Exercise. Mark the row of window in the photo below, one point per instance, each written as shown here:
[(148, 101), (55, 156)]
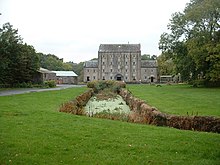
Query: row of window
[(126, 78), (119, 56), (111, 70), (111, 78), (119, 70), (111, 63)]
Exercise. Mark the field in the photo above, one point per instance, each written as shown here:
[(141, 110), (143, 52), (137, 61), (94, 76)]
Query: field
[(180, 99), (32, 131)]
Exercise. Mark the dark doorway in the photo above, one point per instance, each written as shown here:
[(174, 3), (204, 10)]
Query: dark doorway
[(119, 77), (151, 79), (88, 78)]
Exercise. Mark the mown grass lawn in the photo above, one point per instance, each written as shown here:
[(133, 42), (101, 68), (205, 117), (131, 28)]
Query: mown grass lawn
[(32, 131), (180, 99)]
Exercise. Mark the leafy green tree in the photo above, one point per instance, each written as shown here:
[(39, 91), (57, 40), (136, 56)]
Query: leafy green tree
[(165, 66), (145, 57), (78, 69), (153, 57), (52, 62), (18, 61), (27, 64), (9, 48), (193, 41)]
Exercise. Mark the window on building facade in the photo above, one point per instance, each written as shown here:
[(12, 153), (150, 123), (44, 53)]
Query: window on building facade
[(103, 70), (126, 70), (145, 70), (103, 63), (103, 78), (126, 63), (93, 77), (94, 70), (133, 63), (126, 78), (111, 77), (111, 70), (152, 70), (88, 70)]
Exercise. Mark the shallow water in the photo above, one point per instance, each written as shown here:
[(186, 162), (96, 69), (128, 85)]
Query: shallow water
[(116, 105)]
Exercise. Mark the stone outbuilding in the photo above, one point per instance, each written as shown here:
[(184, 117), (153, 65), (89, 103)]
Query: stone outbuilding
[(66, 77), (43, 75)]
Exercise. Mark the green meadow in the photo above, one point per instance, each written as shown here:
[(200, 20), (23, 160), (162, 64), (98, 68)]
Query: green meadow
[(33, 131), (180, 99)]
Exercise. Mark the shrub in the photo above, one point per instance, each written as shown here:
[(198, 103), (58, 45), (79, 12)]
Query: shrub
[(198, 83), (5, 86), (49, 84), (115, 86), (71, 107), (91, 84), (23, 85)]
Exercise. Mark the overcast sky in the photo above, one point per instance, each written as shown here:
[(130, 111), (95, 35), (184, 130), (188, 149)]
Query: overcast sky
[(74, 29)]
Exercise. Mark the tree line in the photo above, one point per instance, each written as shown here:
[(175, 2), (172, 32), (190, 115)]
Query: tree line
[(191, 48), (192, 45), (20, 61)]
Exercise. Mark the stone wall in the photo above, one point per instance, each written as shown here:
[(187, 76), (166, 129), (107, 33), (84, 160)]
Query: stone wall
[(143, 113)]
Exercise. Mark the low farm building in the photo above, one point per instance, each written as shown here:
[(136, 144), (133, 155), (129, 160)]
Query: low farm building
[(43, 75), (66, 77)]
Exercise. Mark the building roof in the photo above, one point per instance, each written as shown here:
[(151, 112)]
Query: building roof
[(91, 64), (119, 48), (149, 63), (65, 74), (43, 70)]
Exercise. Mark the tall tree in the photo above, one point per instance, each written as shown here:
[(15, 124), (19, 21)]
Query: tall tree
[(9, 47), (18, 61), (52, 62), (78, 69), (193, 41), (165, 66)]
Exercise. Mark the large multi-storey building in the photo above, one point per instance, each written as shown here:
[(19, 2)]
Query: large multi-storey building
[(120, 62)]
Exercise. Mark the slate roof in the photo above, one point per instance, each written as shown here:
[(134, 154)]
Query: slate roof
[(91, 64), (65, 74), (149, 63), (119, 48)]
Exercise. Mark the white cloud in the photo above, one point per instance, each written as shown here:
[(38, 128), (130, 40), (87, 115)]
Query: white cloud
[(73, 29)]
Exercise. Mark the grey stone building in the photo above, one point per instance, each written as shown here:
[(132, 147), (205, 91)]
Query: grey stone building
[(120, 62), (43, 75), (66, 77)]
